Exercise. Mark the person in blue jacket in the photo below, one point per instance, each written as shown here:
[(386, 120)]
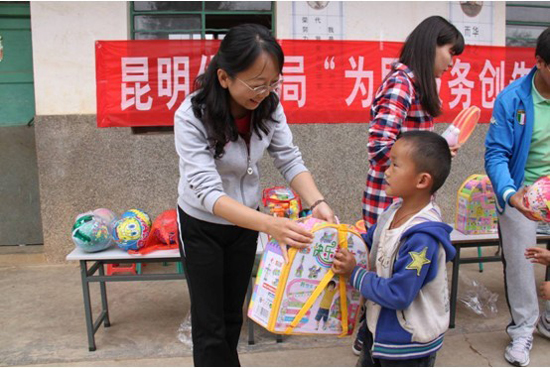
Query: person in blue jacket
[(517, 153), (407, 299)]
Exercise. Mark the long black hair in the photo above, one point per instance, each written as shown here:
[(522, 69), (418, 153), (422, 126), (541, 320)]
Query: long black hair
[(418, 53), (239, 49)]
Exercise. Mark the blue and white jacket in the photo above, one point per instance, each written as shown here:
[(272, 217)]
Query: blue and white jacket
[(509, 138), (407, 294)]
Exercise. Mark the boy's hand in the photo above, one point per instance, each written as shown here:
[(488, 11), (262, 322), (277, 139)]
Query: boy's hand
[(538, 255), (545, 290), (344, 263)]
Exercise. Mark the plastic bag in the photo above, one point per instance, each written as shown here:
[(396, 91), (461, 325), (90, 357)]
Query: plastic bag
[(477, 297), (184, 331)]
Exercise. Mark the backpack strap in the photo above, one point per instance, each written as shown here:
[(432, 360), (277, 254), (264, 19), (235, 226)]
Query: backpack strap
[(342, 243)]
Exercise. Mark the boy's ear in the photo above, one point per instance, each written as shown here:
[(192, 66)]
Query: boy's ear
[(223, 78), (540, 62), (424, 181)]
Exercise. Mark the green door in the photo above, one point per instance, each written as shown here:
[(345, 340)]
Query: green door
[(20, 217), (16, 78)]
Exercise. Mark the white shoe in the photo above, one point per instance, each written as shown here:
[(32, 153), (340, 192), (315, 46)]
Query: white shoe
[(543, 327), (517, 352)]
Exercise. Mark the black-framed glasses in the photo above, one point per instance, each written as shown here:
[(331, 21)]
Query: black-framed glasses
[(260, 90)]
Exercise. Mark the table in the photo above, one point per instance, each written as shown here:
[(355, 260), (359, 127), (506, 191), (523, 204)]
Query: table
[(460, 241), (115, 255)]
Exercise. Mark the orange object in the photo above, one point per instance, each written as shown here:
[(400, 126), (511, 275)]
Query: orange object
[(163, 234), (117, 268), (360, 225), (466, 121), (282, 202)]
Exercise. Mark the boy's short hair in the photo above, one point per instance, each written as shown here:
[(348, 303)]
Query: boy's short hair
[(543, 46), (331, 282), (431, 154)]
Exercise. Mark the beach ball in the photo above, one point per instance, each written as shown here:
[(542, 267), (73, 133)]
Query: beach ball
[(91, 233), (537, 198), (130, 232)]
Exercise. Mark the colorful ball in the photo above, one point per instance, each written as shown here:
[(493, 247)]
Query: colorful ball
[(130, 232), (91, 233), (139, 214), (107, 215), (537, 198)]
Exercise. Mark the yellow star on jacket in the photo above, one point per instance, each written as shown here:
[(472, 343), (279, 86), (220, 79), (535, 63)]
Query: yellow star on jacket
[(418, 260)]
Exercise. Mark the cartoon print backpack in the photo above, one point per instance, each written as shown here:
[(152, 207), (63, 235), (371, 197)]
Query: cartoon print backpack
[(475, 206), (304, 296)]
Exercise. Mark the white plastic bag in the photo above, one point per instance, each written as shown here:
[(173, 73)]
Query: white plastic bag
[(477, 297), (184, 331)]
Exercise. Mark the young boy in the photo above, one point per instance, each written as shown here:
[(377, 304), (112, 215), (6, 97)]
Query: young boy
[(406, 287), (517, 152)]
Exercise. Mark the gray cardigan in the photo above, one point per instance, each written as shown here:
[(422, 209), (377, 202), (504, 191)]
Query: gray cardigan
[(203, 179)]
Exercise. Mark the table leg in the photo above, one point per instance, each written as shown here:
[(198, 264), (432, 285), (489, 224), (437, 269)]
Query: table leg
[(87, 306), (480, 254), (103, 289), (454, 286)]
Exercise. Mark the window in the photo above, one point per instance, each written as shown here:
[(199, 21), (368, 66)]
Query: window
[(525, 21), (150, 20), (196, 19)]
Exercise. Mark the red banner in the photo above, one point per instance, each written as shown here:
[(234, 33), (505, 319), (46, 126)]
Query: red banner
[(142, 83)]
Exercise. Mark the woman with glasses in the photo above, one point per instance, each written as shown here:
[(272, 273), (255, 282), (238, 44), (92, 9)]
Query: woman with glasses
[(221, 133)]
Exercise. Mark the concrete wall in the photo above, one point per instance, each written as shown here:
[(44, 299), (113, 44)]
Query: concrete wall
[(82, 168)]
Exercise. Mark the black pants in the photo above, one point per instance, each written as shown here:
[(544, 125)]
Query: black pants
[(366, 360), (217, 260)]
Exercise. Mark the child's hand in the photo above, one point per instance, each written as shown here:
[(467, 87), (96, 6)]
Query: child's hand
[(545, 290), (344, 263), (538, 255)]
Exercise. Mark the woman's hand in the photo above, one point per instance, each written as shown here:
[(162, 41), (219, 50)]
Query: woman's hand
[(344, 263), (289, 233), (324, 212), (538, 255), (454, 149), (545, 290), (517, 202)]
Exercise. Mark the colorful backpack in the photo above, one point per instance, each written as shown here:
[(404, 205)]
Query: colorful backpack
[(475, 206), (304, 296)]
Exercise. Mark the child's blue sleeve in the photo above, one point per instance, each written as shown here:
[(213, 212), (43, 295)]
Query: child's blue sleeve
[(415, 265), (368, 236)]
